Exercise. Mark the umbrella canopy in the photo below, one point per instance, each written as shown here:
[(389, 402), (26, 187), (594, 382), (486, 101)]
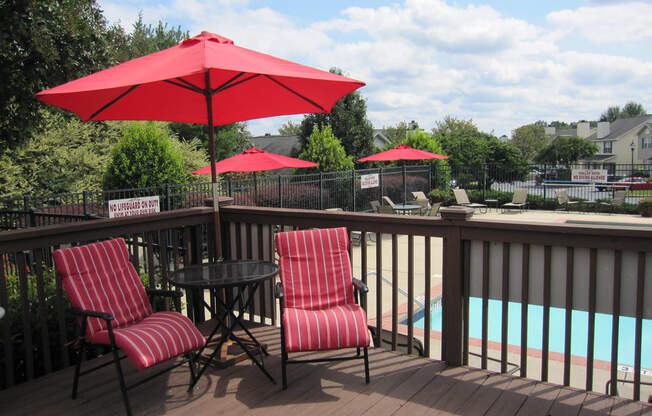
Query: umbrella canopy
[(206, 79), (254, 160), (402, 152)]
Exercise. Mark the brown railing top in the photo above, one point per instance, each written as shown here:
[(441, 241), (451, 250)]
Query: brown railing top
[(97, 229)]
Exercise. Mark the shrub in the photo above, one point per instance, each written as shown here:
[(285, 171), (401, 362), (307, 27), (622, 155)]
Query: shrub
[(645, 207), (144, 157)]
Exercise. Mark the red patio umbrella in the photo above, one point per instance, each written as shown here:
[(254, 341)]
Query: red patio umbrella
[(255, 160), (402, 152), (205, 79)]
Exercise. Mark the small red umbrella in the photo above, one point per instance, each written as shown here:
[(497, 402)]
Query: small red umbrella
[(255, 160), (205, 79), (402, 152)]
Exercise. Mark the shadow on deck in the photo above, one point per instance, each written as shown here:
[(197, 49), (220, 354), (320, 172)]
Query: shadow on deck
[(400, 385)]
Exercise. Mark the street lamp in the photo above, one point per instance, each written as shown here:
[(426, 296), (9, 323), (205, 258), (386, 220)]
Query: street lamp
[(631, 147)]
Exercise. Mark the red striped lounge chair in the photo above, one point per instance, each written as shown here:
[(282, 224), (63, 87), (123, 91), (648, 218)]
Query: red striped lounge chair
[(114, 310), (319, 297)]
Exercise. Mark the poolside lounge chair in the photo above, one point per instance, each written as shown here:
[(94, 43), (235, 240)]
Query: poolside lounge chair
[(564, 201), (374, 206), (463, 199), (388, 201), (421, 199), (617, 201), (434, 209), (519, 200), (114, 310), (385, 209), (319, 297)]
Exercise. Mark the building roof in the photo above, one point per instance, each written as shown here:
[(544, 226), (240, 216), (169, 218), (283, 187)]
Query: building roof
[(280, 145), (601, 157), (623, 125)]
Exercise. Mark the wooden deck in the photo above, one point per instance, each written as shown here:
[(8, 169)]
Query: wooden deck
[(400, 385)]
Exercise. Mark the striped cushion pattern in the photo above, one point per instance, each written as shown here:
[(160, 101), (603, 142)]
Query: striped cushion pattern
[(315, 268), (157, 338), (341, 326), (99, 277)]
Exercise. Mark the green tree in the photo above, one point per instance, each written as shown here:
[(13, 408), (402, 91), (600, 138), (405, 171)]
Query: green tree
[(529, 139), (229, 139), (469, 149), (43, 44), (144, 157), (348, 120), (327, 150), (63, 155), (566, 150), (633, 109), (396, 134), (611, 114), (290, 129)]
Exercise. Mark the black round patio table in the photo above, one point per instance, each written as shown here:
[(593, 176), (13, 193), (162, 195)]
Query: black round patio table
[(244, 276)]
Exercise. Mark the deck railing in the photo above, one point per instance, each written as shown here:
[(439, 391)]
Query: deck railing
[(597, 270)]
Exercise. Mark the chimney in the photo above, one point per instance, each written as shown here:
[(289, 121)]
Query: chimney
[(583, 129), (603, 129)]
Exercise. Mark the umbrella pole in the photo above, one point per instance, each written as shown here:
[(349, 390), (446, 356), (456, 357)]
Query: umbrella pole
[(404, 185), (211, 148)]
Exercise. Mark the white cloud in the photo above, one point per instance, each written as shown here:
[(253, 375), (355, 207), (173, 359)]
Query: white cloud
[(612, 23), (422, 60)]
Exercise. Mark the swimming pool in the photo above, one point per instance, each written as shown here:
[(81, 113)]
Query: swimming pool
[(579, 336)]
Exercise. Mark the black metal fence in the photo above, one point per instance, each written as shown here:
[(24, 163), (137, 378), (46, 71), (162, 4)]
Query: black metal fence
[(343, 190)]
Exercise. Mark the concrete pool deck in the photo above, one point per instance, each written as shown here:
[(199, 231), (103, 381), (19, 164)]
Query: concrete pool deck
[(578, 371)]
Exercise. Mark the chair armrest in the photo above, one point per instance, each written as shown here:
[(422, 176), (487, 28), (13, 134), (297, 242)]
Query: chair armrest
[(162, 292), (359, 285), (84, 313), (278, 290)]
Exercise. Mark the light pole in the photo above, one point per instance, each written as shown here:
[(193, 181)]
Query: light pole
[(631, 147)]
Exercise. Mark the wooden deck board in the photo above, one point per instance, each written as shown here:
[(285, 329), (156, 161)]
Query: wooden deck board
[(400, 385)]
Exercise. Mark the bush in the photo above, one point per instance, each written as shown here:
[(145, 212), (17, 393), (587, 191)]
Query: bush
[(645, 207), (144, 157), (444, 196)]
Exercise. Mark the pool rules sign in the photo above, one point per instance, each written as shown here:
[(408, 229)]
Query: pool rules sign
[(134, 206)]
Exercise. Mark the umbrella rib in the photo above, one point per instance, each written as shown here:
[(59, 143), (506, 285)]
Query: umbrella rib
[(110, 103), (308, 100), (223, 86), (185, 84), (226, 87)]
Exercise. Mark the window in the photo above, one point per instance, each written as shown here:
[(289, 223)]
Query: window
[(647, 142), (608, 147)]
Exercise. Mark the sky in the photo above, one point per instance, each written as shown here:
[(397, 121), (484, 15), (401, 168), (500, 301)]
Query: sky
[(502, 63)]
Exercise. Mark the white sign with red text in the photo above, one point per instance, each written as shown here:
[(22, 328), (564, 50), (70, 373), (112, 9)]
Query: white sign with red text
[(134, 206), (369, 181), (589, 175)]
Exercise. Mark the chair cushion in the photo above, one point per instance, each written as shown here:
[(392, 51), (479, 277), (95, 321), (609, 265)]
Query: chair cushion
[(315, 268), (157, 338), (341, 326), (99, 277)]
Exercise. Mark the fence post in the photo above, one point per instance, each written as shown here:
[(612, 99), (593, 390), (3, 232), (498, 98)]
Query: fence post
[(27, 208), (85, 200), (168, 197), (353, 187), (380, 186), (545, 176), (430, 178), (321, 188), (484, 181), (452, 285), (230, 183), (280, 191)]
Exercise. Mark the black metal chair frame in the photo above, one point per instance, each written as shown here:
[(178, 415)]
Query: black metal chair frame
[(360, 292), (190, 358)]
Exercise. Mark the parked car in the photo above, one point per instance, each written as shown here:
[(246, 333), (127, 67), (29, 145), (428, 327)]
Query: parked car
[(629, 183)]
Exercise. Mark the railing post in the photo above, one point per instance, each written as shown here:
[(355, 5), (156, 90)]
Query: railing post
[(85, 199), (321, 189), (452, 285), (353, 187), (28, 213)]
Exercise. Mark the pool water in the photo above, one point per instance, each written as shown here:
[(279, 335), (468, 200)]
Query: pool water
[(579, 331)]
